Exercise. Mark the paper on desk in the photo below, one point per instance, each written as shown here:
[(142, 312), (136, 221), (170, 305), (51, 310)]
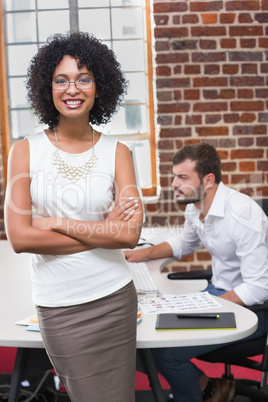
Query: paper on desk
[(33, 327), (159, 304), (31, 323), (29, 320)]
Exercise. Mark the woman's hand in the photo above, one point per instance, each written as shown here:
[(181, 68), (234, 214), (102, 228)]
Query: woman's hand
[(121, 212), (124, 210)]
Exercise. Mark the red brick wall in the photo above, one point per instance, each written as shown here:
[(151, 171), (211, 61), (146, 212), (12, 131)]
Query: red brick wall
[(211, 80)]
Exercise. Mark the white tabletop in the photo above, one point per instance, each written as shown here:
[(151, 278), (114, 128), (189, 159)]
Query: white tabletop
[(148, 337), (16, 304), (16, 299)]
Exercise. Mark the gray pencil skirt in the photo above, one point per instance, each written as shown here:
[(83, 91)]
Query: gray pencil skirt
[(92, 346)]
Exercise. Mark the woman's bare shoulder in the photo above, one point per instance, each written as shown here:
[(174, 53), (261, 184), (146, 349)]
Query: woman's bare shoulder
[(19, 153), (122, 149), (20, 145)]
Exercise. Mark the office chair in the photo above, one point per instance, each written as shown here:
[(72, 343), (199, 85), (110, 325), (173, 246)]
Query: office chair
[(263, 203), (239, 353), (207, 273)]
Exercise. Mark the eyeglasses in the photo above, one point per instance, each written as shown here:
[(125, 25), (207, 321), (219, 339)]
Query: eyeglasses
[(60, 84)]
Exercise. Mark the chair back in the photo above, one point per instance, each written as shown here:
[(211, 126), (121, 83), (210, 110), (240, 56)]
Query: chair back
[(263, 203)]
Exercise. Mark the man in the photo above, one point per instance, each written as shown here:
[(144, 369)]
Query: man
[(233, 228)]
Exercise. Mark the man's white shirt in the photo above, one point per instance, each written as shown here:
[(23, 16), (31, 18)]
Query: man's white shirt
[(235, 233)]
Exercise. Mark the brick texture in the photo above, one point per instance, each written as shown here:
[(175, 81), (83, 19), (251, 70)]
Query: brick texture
[(218, 95)]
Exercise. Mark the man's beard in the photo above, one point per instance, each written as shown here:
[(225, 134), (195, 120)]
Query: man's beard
[(198, 196)]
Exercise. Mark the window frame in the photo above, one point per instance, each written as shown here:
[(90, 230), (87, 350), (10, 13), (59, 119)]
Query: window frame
[(5, 113)]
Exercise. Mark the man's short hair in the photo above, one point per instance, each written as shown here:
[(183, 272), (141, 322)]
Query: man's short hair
[(206, 157)]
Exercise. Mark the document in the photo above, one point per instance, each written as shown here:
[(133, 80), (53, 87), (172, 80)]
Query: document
[(165, 303), (31, 323)]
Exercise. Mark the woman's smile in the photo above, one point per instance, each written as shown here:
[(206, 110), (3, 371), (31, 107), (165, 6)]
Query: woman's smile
[(73, 103), (73, 98)]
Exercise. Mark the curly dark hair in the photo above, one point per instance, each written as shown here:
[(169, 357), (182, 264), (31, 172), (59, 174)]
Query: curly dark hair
[(88, 51)]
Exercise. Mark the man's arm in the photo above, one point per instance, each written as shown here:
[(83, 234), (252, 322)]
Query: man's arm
[(183, 243), (252, 251), (162, 250), (232, 296)]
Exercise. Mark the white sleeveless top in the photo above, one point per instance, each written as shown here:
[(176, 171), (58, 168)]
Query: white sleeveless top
[(64, 280)]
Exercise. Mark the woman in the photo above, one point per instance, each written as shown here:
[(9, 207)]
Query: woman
[(61, 186)]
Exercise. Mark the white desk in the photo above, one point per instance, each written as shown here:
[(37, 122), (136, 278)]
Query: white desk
[(147, 337), (16, 304)]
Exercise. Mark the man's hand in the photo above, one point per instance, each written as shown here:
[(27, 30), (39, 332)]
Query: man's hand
[(162, 250), (136, 255)]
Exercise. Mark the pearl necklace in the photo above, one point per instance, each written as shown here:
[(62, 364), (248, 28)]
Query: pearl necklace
[(74, 173)]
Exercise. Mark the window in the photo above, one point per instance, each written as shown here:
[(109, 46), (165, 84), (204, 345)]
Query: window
[(124, 25)]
